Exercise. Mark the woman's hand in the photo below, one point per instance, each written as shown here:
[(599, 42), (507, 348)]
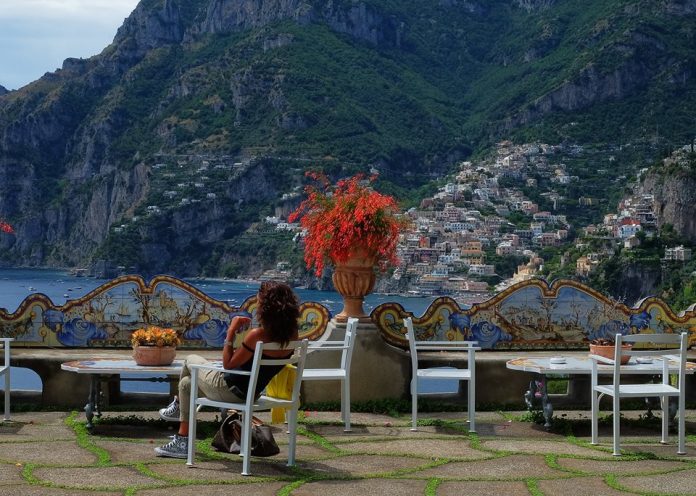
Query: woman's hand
[(239, 323)]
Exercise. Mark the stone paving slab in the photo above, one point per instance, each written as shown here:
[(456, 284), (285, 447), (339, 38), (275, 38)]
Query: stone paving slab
[(508, 428), (683, 482), (479, 488), (662, 450), (646, 444), (370, 432), (597, 467), (95, 477), (50, 453), (356, 419), (559, 447), (216, 471), (127, 451), (360, 466), (10, 474), (257, 489), (586, 486), (303, 452), (383, 487), (429, 448), (508, 467), (44, 418), (26, 490), (32, 431)]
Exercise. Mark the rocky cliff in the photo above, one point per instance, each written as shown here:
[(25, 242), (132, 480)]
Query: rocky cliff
[(201, 114), (675, 200)]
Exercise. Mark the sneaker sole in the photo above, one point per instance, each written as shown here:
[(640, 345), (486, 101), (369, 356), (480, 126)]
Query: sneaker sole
[(169, 454), (168, 418)]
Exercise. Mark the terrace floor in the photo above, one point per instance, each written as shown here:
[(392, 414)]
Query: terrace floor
[(50, 453)]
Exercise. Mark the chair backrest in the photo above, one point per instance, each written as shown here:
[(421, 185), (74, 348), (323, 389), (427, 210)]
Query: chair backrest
[(349, 343), (346, 346), (665, 346), (5, 344), (297, 359), (411, 336)]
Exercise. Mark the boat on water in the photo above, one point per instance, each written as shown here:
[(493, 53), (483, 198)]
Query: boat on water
[(413, 293)]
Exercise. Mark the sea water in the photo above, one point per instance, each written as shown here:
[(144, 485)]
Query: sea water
[(61, 286)]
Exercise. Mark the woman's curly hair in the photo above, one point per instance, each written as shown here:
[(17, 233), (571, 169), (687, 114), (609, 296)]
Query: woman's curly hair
[(278, 310)]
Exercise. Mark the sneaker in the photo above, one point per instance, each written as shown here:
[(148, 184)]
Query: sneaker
[(176, 448), (171, 411)]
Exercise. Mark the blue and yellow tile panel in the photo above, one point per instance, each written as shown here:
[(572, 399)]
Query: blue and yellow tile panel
[(107, 316), (535, 315)]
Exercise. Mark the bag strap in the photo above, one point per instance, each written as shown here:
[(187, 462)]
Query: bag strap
[(237, 415)]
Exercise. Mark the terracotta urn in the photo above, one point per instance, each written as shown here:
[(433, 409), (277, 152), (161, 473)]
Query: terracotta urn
[(354, 279), (608, 351), (154, 355)]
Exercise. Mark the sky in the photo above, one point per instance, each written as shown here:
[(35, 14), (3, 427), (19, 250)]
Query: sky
[(37, 35)]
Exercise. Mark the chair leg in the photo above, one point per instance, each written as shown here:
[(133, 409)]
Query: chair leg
[(7, 394), (472, 406), (414, 403), (191, 437), (193, 421), (681, 449), (664, 403), (246, 443), (595, 415), (292, 435), (345, 404), (617, 426)]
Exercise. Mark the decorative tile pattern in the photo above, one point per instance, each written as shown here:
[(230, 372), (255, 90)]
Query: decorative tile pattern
[(534, 315), (106, 317)]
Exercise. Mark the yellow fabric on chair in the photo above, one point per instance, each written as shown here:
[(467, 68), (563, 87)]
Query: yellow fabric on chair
[(281, 387)]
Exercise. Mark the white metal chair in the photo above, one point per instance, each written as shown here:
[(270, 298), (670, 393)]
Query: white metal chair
[(252, 404), (5, 371), (342, 373), (667, 346), (467, 374)]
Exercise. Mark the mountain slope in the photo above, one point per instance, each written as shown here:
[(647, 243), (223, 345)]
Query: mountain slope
[(263, 89)]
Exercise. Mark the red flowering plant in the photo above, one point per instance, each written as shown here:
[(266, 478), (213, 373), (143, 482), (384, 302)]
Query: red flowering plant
[(347, 216), (5, 227)]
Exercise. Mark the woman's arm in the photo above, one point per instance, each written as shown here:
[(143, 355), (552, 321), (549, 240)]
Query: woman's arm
[(234, 358), (238, 323)]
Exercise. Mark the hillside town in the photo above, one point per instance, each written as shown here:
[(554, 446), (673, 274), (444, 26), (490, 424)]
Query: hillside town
[(480, 219), (482, 214)]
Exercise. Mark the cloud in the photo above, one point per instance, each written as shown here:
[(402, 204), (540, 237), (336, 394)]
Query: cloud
[(92, 10), (37, 35)]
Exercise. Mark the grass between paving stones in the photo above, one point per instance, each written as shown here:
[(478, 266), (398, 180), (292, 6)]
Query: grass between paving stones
[(85, 441), (318, 439), (431, 487), (286, 490)]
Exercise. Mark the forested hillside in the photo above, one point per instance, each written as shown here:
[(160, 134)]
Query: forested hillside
[(163, 150)]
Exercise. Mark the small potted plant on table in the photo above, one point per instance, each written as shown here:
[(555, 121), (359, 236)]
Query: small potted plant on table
[(154, 346), (606, 348)]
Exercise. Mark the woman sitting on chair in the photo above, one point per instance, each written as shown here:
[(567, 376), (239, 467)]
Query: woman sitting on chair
[(277, 312)]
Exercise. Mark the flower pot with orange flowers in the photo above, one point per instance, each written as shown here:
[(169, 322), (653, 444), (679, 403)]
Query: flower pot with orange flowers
[(154, 346), (353, 228)]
